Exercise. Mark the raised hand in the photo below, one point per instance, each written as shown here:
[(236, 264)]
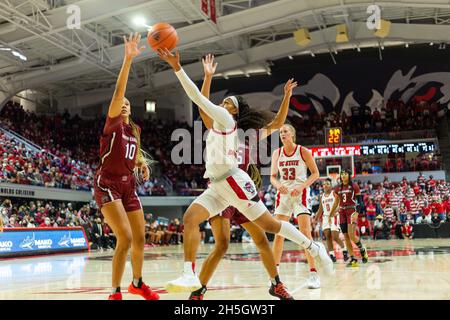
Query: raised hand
[(172, 60), (289, 86), (208, 65), (131, 45)]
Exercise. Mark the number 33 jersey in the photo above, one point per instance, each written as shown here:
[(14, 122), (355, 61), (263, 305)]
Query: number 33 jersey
[(292, 168), (293, 172), (118, 148)]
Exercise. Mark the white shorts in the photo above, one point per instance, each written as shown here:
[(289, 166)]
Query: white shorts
[(287, 205), (334, 223), (237, 190)]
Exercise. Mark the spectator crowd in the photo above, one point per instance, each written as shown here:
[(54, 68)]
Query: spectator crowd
[(67, 139), (55, 214), (390, 208)]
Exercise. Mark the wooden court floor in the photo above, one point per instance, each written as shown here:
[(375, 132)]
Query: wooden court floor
[(398, 269)]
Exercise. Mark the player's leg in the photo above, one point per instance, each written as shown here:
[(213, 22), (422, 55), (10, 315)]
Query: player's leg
[(115, 214), (304, 225), (352, 227), (137, 223), (278, 241), (259, 237), (345, 230), (329, 241), (335, 237), (242, 194), (209, 204), (220, 228)]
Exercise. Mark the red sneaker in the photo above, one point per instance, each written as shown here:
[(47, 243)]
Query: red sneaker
[(280, 292), (143, 291), (115, 296)]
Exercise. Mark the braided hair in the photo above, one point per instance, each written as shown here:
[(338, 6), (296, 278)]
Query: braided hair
[(248, 118)]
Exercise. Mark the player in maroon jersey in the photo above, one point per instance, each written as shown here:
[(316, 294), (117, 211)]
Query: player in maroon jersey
[(349, 201), (115, 185), (220, 225)]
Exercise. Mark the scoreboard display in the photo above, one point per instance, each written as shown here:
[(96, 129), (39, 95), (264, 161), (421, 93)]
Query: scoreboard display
[(333, 136), (420, 147)]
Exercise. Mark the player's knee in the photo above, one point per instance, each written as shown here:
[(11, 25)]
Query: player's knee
[(124, 241), (261, 241), (221, 247), (138, 240)]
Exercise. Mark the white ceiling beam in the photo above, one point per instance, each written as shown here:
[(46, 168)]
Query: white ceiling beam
[(91, 11)]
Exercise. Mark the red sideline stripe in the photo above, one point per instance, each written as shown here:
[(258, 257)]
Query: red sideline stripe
[(277, 202), (239, 192), (304, 197)]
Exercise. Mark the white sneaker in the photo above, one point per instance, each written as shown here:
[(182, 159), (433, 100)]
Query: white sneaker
[(313, 281), (188, 282), (320, 254)]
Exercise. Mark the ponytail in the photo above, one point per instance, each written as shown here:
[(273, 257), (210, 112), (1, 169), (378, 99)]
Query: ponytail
[(142, 157)]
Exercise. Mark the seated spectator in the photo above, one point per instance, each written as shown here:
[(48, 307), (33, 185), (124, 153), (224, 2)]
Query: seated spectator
[(407, 231), (381, 226), (46, 223), (364, 227)]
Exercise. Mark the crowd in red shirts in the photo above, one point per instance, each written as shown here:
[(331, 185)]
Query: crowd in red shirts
[(397, 206)]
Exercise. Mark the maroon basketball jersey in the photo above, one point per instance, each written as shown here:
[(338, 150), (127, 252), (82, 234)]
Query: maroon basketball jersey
[(118, 148), (347, 194)]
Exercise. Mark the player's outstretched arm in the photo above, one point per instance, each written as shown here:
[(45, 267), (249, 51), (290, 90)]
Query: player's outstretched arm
[(210, 68), (280, 118), (220, 116), (131, 51)]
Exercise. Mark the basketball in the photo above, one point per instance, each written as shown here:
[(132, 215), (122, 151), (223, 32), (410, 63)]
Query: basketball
[(162, 35)]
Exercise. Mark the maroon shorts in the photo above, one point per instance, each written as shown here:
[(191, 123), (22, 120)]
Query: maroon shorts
[(345, 215), (232, 214), (108, 188)]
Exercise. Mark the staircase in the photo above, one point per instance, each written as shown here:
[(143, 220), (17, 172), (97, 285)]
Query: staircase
[(17, 137), (444, 143)]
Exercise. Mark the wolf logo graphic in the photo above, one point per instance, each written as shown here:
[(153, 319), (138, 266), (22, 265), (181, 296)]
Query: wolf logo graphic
[(249, 187)]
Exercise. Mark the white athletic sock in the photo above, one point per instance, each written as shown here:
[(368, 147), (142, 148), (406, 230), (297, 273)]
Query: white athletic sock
[(188, 268), (331, 252), (290, 232)]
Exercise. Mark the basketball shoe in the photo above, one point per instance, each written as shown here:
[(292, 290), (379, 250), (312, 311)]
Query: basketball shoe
[(188, 282), (144, 291), (313, 281), (364, 255), (320, 254), (279, 290), (115, 296)]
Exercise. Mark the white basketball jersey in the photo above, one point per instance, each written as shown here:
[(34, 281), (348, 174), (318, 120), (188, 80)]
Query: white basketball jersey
[(221, 153), (327, 203), (292, 168)]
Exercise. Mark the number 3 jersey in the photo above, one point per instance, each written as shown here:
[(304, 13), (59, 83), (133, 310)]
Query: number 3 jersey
[(118, 148)]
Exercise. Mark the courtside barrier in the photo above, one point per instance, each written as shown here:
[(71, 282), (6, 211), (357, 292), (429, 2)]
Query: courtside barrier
[(15, 242)]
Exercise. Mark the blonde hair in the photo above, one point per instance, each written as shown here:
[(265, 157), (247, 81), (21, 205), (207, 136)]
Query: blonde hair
[(293, 131), (255, 175)]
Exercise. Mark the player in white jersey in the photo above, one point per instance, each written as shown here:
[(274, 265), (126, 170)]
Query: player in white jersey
[(230, 186), (291, 162), (221, 224), (330, 226)]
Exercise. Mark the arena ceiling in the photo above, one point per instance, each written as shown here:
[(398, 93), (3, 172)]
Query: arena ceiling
[(247, 36)]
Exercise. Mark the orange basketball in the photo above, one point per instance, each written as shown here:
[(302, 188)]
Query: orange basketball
[(162, 35)]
